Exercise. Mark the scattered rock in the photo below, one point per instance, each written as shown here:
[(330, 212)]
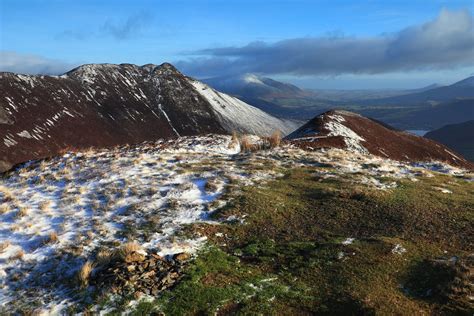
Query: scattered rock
[(139, 274), (181, 257), (134, 257)]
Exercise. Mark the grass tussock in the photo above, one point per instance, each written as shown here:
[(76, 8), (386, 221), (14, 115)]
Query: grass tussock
[(275, 139), (103, 257), (45, 205), (128, 249), (265, 143), (19, 255), (234, 140), (84, 273), (4, 245), (4, 209), (52, 238), (7, 194), (22, 212), (246, 144)]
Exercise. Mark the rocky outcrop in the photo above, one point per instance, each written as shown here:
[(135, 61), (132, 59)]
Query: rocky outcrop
[(139, 274)]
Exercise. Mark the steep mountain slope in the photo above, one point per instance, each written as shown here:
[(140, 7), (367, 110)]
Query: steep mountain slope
[(235, 115), (460, 137), (345, 129), (103, 105)]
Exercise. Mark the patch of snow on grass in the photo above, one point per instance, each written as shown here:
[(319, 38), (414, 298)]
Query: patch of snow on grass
[(59, 212), (348, 241), (443, 190), (398, 249)]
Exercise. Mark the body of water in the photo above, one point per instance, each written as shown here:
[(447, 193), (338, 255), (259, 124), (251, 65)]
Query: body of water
[(418, 132)]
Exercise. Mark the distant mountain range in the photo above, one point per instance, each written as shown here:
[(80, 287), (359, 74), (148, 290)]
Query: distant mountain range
[(463, 89), (365, 94), (104, 105), (425, 108), (460, 137)]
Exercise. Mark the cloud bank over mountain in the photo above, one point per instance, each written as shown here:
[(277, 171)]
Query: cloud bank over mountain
[(445, 42), (32, 64)]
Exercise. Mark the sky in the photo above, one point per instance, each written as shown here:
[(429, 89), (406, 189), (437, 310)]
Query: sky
[(315, 44)]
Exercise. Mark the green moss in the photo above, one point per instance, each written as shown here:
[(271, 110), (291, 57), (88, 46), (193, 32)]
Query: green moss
[(288, 257), (214, 278)]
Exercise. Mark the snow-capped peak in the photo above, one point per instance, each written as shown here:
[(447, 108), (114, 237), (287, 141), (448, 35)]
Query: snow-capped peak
[(251, 78)]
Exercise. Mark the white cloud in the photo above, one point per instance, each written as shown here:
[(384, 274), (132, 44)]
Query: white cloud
[(443, 43), (32, 64)]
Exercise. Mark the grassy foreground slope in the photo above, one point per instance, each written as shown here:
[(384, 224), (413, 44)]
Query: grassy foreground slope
[(313, 245)]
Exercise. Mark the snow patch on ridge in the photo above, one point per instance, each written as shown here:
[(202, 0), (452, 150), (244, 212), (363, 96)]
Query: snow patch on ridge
[(239, 116), (168, 119), (251, 78), (352, 139)]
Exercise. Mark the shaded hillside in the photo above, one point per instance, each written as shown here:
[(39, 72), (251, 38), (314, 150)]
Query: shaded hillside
[(422, 117), (460, 137), (439, 115)]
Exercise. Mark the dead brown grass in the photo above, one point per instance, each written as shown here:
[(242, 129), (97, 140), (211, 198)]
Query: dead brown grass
[(7, 194), (4, 245), (235, 140), (275, 139), (84, 273), (74, 150), (127, 250), (4, 209), (45, 205), (130, 247), (245, 144), (52, 238), (23, 211), (18, 255), (103, 257)]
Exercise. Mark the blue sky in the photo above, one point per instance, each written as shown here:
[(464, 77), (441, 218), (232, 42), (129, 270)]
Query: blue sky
[(57, 34)]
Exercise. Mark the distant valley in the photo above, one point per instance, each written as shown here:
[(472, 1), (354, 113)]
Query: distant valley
[(426, 108)]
